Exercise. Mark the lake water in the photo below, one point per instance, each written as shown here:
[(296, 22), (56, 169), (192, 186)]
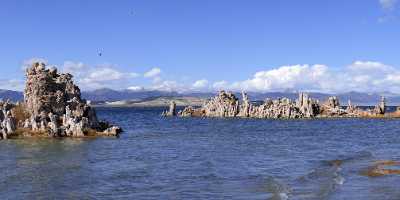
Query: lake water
[(183, 158)]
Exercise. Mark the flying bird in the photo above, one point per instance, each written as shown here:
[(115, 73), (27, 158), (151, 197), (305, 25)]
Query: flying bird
[(100, 53)]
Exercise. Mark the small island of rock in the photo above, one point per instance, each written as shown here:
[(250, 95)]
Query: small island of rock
[(226, 104), (52, 107)]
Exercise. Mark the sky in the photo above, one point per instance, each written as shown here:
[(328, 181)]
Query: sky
[(208, 45)]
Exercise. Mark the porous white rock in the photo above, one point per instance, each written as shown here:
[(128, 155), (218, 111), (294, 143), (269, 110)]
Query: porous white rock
[(55, 105), (7, 120)]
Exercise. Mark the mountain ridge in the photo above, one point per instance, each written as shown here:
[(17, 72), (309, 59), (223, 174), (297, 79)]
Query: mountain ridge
[(109, 95)]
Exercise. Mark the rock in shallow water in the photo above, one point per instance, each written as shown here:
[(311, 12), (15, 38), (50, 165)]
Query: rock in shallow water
[(7, 120), (225, 104), (54, 105), (171, 111)]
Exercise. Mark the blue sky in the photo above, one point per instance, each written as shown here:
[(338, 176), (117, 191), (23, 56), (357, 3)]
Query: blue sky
[(206, 45)]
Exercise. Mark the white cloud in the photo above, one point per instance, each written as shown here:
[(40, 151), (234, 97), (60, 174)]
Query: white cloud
[(87, 77), (363, 76), (105, 74), (388, 4), (152, 73), (136, 88), (220, 85), (93, 77), (358, 66), (287, 77), (72, 67), (372, 76), (168, 86), (200, 84), (100, 77)]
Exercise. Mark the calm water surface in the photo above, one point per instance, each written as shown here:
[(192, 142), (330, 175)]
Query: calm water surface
[(175, 158)]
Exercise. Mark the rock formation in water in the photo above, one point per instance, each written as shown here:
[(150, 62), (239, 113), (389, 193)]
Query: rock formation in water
[(7, 120), (352, 111), (331, 107), (225, 104), (171, 111), (55, 107), (380, 109), (245, 108), (307, 106)]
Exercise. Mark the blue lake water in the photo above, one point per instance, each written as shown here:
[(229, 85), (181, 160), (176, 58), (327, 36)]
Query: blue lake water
[(193, 158)]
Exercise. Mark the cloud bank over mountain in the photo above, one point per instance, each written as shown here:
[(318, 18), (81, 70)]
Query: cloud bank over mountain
[(362, 76)]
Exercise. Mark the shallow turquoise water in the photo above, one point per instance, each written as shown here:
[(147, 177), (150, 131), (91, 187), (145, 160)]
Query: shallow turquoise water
[(176, 158)]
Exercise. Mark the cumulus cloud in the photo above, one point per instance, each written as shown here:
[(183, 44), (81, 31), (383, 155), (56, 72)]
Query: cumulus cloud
[(90, 77), (73, 67), (363, 76), (302, 77), (169, 86), (372, 76), (200, 84), (152, 73), (106, 76)]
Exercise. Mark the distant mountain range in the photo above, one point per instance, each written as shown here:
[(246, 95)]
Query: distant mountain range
[(109, 95), (12, 95)]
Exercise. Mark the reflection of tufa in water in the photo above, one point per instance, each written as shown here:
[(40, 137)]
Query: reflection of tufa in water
[(226, 104)]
